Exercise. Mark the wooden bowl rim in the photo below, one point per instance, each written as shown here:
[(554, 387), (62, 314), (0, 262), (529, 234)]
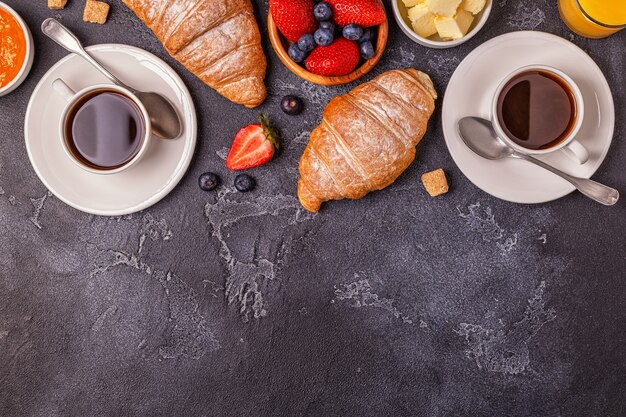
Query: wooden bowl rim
[(276, 39)]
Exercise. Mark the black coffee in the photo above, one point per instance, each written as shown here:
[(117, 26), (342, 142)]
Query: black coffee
[(537, 109), (105, 129)]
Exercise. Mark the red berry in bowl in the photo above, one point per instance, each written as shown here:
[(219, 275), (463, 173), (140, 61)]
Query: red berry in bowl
[(293, 18), (365, 13), (339, 58)]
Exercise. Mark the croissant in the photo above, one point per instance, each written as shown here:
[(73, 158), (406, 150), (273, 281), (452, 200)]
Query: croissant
[(367, 138), (217, 40)]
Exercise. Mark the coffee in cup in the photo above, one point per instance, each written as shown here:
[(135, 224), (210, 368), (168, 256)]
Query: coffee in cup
[(538, 110), (104, 128)]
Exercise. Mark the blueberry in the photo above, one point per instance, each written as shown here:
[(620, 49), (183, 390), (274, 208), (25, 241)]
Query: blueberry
[(208, 181), (352, 32), (368, 35), (367, 50), (296, 53), (292, 105), (327, 24), (322, 11), (323, 37), (244, 183), (306, 43)]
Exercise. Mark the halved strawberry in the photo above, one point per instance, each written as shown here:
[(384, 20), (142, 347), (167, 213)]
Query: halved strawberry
[(293, 18), (364, 13), (253, 146), (339, 58)]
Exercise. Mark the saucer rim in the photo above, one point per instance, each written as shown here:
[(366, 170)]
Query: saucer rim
[(190, 134), (449, 132)]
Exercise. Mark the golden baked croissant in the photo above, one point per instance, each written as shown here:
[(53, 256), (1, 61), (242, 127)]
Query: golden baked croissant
[(367, 138), (217, 40)]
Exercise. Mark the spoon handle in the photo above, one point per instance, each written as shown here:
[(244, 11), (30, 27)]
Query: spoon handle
[(64, 37), (594, 190)]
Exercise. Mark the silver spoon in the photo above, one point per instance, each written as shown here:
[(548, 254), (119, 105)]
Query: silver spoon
[(165, 120), (479, 135)]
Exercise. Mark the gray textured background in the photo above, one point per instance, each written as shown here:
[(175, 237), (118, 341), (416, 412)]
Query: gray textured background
[(244, 305)]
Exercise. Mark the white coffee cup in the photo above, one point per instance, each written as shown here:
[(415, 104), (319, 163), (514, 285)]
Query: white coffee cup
[(569, 145), (74, 98)]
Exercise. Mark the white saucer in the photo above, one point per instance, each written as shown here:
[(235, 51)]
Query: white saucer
[(471, 91), (136, 188)]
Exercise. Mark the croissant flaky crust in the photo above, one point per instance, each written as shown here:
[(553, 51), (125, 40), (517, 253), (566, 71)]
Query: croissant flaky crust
[(217, 40), (367, 138)]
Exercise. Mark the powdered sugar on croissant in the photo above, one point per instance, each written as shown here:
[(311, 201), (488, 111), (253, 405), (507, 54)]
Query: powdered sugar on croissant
[(217, 40), (367, 138)]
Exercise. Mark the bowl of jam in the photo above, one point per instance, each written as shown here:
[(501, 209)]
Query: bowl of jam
[(16, 49)]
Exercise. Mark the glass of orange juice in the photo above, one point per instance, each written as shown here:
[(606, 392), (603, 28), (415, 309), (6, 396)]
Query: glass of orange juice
[(594, 18)]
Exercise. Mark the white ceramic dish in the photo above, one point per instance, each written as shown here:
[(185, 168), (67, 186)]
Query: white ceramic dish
[(470, 93), (30, 53), (131, 190), (401, 15)]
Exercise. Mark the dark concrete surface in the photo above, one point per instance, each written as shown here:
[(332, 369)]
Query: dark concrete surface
[(244, 305)]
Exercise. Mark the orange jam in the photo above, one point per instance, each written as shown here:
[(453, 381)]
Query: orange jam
[(12, 47)]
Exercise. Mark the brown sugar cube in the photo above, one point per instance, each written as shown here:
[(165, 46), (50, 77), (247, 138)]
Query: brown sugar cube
[(435, 182), (96, 12), (56, 4)]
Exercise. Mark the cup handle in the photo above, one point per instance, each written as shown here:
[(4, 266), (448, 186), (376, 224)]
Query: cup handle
[(64, 91), (577, 152)]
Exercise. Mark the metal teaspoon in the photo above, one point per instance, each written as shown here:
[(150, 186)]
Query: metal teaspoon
[(479, 135), (165, 120)]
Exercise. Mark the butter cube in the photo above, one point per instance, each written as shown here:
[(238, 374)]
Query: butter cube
[(445, 8), (451, 28), (423, 20), (411, 3), (473, 6)]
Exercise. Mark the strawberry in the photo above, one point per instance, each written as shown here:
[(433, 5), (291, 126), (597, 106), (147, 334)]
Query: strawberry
[(364, 13), (339, 58), (293, 18), (253, 146)]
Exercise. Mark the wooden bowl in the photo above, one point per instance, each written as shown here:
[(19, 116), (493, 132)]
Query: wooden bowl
[(280, 45)]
